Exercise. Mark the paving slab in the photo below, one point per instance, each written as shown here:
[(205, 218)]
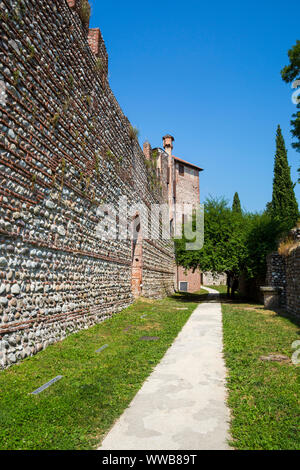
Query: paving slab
[(182, 404)]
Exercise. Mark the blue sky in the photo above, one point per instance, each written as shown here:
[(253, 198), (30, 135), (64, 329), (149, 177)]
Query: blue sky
[(208, 72)]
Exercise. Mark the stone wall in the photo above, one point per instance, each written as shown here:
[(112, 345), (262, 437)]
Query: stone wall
[(284, 271), (213, 279), (276, 274), (65, 148), (293, 282)]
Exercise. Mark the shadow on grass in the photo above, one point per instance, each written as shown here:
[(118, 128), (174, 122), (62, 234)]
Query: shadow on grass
[(292, 318), (186, 297), (238, 299), (259, 306), (281, 312)]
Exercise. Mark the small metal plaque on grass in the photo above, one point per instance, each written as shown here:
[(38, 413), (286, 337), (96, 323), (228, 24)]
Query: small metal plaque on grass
[(102, 348), (43, 387), (149, 338), (128, 328), (144, 316)]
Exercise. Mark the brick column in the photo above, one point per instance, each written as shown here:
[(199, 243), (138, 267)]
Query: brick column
[(168, 147), (98, 48), (72, 3), (147, 150)]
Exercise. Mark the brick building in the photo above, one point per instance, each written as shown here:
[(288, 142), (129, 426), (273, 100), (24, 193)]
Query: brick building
[(183, 186)]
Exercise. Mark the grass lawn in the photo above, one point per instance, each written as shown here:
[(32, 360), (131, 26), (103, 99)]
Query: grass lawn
[(263, 396), (77, 411), (221, 289)]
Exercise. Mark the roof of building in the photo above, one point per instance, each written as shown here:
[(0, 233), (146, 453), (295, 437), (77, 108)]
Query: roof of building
[(187, 163), (168, 136)]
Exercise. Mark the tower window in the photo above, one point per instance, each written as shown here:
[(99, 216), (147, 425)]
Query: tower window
[(181, 169)]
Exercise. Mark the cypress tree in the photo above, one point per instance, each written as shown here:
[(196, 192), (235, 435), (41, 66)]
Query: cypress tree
[(284, 203), (236, 205)]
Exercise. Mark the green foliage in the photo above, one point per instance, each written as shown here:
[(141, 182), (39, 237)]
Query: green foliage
[(16, 75), (88, 100), (71, 81), (54, 120), (34, 110), (236, 205), (99, 67), (263, 396), (22, 6), (110, 155), (262, 237), (33, 181), (151, 165), (221, 289), (233, 241), (290, 73), (85, 12), (77, 411), (32, 52), (97, 162), (133, 133), (268, 209), (224, 240), (284, 203), (66, 104), (4, 16)]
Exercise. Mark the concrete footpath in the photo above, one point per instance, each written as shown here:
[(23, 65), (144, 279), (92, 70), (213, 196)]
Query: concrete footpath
[(182, 404)]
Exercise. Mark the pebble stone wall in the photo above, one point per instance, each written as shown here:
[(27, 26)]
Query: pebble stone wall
[(65, 148), (284, 272)]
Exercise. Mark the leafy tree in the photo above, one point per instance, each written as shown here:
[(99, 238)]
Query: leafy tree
[(236, 205), (268, 209), (224, 241), (233, 242), (284, 203), (262, 235), (290, 73)]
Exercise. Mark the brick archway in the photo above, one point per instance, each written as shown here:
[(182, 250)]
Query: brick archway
[(136, 258)]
